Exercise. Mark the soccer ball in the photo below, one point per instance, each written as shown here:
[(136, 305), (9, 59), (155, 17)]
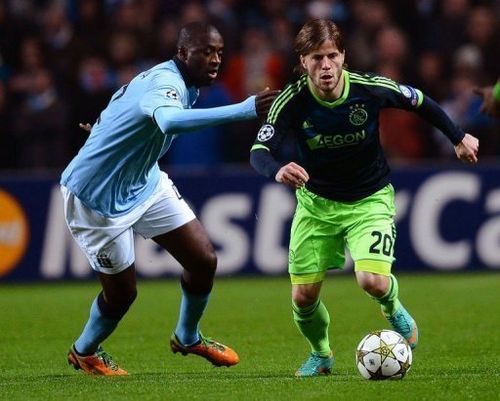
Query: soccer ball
[(383, 354)]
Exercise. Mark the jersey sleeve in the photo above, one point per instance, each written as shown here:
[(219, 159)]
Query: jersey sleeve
[(269, 138), (406, 97), (395, 95), (165, 91), (275, 129), (177, 121)]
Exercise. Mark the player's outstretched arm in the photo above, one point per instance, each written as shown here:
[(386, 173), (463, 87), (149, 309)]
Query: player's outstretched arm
[(173, 120), (466, 146), (177, 121), (467, 149), (435, 115)]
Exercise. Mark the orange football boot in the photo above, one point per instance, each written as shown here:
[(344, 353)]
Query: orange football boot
[(100, 363), (216, 353)]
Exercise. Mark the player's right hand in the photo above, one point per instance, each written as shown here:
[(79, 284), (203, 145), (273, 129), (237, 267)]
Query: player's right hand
[(264, 100), (292, 175)]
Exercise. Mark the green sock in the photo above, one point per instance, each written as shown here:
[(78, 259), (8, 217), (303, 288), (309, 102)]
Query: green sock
[(389, 301), (313, 321)]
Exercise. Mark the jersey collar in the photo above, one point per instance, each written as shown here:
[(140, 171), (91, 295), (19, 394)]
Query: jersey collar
[(336, 102), (184, 71)]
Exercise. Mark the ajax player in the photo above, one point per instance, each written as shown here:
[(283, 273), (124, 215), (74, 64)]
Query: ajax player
[(344, 195)]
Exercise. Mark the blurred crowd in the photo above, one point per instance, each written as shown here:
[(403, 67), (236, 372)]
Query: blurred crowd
[(60, 61)]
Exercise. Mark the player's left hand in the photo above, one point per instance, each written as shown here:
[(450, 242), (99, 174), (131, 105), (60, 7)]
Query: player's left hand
[(86, 127), (264, 100), (467, 149), (293, 175)]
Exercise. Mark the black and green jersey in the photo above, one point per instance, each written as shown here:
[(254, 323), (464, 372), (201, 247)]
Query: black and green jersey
[(338, 142)]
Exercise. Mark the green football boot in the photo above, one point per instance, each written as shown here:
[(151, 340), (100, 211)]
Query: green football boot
[(316, 365), (404, 324)]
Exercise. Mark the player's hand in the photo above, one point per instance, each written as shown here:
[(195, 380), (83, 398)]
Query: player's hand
[(467, 149), (264, 100), (490, 105), (86, 127), (292, 175)]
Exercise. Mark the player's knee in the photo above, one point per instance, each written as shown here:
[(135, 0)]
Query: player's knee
[(205, 264), (304, 295), (211, 262), (374, 284), (303, 299), (117, 304)]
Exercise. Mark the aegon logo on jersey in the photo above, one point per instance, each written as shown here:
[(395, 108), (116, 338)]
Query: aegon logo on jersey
[(336, 141), (266, 132), (171, 93)]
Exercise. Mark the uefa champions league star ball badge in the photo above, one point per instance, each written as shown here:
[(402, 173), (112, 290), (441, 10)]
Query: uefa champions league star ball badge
[(266, 132)]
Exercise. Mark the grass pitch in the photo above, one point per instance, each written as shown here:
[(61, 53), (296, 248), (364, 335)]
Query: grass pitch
[(457, 358)]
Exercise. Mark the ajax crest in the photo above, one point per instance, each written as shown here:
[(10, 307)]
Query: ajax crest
[(358, 115)]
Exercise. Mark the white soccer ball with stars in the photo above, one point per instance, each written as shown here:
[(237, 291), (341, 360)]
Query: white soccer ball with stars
[(383, 354)]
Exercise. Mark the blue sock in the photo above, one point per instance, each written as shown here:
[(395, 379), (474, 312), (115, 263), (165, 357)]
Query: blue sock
[(97, 329), (191, 310)]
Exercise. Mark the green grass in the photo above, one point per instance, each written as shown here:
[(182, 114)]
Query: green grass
[(457, 358)]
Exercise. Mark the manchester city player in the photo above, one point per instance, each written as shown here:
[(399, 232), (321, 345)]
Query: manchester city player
[(342, 181), (114, 187)]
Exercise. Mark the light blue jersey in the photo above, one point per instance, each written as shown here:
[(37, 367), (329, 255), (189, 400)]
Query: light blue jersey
[(117, 168)]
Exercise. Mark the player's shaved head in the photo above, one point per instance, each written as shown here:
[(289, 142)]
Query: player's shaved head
[(191, 34), (199, 49)]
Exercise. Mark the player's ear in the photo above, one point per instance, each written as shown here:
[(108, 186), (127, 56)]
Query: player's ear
[(303, 62), (182, 53)]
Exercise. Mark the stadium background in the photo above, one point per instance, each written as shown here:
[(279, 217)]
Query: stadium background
[(61, 60)]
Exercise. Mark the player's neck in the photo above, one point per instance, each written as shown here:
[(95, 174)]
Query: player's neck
[(339, 88), (181, 66)]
